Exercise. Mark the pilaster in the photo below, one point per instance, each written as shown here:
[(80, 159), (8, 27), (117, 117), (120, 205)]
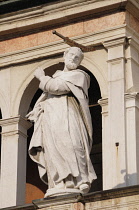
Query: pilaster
[(115, 163), (132, 136), (13, 161)]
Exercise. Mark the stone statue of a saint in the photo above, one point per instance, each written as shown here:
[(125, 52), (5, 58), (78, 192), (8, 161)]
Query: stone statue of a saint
[(62, 137)]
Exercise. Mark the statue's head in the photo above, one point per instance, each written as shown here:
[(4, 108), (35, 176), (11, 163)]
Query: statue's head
[(73, 57)]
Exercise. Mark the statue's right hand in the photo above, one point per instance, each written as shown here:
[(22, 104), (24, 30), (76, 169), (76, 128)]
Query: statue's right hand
[(39, 73)]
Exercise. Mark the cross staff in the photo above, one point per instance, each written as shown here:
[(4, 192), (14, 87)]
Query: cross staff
[(74, 44)]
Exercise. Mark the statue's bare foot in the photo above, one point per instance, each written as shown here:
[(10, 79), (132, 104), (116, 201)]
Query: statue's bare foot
[(84, 188)]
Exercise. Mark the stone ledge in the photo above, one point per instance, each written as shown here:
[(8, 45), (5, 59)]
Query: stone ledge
[(78, 201), (111, 194), (57, 200), (24, 207)]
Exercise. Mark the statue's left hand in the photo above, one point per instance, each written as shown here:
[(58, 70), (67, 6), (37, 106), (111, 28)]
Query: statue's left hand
[(39, 73)]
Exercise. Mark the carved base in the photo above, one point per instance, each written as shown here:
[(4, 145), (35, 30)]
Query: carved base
[(57, 192)]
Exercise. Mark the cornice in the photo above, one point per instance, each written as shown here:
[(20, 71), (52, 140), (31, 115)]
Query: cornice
[(55, 14), (133, 8), (133, 37), (55, 48)]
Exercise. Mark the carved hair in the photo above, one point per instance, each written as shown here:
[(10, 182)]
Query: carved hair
[(77, 48)]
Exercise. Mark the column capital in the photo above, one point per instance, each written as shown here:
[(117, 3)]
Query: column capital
[(132, 100), (103, 102), (15, 125), (15, 120), (116, 49), (134, 95), (115, 42)]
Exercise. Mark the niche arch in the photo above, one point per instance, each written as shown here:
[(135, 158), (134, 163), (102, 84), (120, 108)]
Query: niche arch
[(30, 85)]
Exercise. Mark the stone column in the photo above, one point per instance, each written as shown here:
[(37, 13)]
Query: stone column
[(105, 158), (115, 161), (13, 161)]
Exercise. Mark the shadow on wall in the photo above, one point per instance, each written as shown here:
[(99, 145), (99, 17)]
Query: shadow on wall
[(129, 179)]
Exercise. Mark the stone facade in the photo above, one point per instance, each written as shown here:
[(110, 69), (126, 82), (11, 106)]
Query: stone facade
[(26, 42), (123, 199)]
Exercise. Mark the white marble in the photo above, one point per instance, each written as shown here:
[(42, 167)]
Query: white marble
[(13, 161), (62, 137), (116, 156)]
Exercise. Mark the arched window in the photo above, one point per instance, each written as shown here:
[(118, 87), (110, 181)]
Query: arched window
[(35, 187)]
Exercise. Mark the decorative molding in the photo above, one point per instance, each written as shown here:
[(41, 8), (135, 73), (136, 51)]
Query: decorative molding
[(103, 102), (129, 96), (132, 42), (56, 13), (132, 35), (132, 100), (15, 120), (12, 133), (116, 61), (133, 8), (115, 42), (58, 47)]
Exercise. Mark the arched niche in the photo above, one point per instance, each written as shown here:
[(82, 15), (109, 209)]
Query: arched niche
[(30, 85), (34, 184)]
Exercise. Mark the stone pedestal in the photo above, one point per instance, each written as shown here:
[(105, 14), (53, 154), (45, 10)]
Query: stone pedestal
[(64, 202)]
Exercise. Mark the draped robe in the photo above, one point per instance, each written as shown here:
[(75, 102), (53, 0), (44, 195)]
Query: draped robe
[(62, 138)]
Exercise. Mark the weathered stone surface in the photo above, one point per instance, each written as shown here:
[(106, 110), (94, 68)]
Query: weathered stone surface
[(75, 29), (123, 199), (71, 201)]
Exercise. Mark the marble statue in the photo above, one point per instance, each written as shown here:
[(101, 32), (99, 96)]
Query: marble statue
[(62, 137)]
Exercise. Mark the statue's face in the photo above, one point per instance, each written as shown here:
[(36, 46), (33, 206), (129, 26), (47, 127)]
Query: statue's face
[(72, 59)]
